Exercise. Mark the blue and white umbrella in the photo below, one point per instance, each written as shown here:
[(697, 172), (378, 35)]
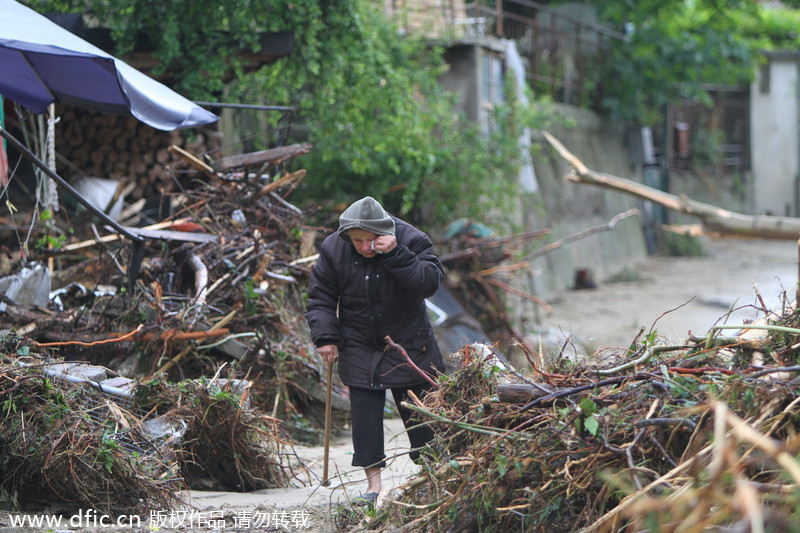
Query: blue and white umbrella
[(42, 63)]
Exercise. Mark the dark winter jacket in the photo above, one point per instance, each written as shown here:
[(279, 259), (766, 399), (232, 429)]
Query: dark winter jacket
[(376, 297)]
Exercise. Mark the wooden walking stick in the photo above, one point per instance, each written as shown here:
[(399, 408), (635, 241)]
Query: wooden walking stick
[(325, 480)]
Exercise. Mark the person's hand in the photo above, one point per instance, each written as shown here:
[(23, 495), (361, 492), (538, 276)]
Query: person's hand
[(329, 353), (383, 244)]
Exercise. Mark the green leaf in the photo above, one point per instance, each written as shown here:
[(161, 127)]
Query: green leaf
[(588, 407), (592, 425)]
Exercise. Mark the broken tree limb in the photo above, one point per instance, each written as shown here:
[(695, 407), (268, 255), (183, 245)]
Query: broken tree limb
[(121, 338), (574, 390), (489, 243), (219, 326), (184, 335), (518, 392), (524, 265), (712, 217), (272, 155), (536, 234), (206, 169), (580, 235), (114, 237), (646, 355), (508, 288), (288, 179), (417, 369)]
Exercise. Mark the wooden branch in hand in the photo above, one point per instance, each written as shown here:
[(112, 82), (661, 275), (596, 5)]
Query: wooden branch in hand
[(417, 369)]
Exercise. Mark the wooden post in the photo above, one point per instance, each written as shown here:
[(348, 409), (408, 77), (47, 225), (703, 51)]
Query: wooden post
[(327, 438), (499, 16)]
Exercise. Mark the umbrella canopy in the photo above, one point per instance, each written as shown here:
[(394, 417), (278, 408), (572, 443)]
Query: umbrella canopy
[(42, 63)]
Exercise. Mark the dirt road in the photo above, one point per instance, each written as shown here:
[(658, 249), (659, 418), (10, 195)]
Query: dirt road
[(678, 295)]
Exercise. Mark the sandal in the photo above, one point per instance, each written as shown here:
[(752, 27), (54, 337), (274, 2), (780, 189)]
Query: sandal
[(368, 498)]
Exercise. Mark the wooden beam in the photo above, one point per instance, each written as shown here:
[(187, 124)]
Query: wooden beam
[(273, 155)]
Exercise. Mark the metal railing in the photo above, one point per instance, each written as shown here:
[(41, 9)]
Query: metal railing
[(562, 52)]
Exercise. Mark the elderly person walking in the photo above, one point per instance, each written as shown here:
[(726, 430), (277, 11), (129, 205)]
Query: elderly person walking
[(370, 281)]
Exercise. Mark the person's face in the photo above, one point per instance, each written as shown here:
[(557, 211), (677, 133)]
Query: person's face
[(362, 240)]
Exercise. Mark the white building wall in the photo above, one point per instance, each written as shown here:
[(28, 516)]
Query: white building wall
[(774, 136)]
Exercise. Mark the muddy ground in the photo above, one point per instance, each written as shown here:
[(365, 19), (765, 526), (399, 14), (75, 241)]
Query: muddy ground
[(676, 296)]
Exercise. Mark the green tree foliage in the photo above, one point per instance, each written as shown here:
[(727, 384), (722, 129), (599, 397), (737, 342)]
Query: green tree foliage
[(381, 123), (367, 96), (672, 51), (194, 43), (775, 28)]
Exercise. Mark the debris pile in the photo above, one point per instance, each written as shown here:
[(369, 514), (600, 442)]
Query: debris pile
[(225, 446), (677, 437), (688, 437), (218, 292), (73, 448), (72, 442), (220, 281)]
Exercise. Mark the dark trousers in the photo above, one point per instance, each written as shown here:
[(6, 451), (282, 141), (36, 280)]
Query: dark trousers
[(366, 409)]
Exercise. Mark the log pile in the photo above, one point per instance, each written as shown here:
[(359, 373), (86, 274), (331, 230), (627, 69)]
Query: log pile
[(125, 149)]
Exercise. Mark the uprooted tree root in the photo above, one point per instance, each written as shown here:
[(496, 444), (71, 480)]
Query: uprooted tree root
[(224, 446), (694, 437), (53, 452)]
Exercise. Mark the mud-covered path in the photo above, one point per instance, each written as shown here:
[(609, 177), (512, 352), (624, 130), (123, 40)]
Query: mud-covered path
[(678, 295)]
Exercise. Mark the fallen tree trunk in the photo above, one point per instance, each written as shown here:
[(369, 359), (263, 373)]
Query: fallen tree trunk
[(713, 218)]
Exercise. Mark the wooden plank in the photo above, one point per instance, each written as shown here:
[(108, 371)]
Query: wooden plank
[(192, 160), (273, 155)]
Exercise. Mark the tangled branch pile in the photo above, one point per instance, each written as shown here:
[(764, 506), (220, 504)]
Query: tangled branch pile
[(223, 446), (70, 447), (75, 445), (216, 291), (221, 281), (692, 437)]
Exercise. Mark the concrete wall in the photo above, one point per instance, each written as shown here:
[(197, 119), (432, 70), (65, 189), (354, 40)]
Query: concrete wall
[(774, 136), (568, 209)]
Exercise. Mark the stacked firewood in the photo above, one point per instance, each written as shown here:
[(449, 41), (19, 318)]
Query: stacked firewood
[(125, 149)]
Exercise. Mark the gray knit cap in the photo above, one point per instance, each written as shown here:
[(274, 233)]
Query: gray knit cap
[(366, 214)]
